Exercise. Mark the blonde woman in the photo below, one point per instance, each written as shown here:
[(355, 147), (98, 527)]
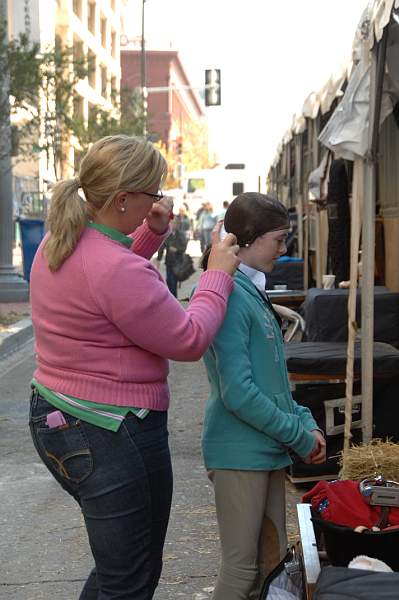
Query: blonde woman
[(105, 325)]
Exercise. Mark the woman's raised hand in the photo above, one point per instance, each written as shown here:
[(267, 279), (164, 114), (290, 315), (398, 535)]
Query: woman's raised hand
[(223, 255), (160, 214)]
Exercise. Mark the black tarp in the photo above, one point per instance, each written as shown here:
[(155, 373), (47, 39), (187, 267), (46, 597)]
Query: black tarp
[(286, 273), (326, 315), (340, 583), (329, 358)]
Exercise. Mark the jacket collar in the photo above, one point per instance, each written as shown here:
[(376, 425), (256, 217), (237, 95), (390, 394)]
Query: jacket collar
[(112, 233), (245, 282), (257, 277)]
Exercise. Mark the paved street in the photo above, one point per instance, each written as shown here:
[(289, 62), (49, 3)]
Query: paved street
[(43, 548)]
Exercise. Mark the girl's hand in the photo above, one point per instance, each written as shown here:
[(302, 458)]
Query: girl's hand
[(160, 214), (318, 454), (223, 255)]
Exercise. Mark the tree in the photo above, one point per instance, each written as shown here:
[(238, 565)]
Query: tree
[(43, 91), (126, 117), (60, 71), (19, 64), (195, 146), (194, 153)]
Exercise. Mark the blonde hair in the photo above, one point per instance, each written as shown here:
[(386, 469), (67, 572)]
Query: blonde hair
[(113, 164)]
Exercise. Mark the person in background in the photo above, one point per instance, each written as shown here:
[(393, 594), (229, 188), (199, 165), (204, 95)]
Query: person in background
[(197, 231), (190, 217), (183, 222), (174, 247), (251, 420), (200, 211), (105, 326), (223, 211), (206, 223)]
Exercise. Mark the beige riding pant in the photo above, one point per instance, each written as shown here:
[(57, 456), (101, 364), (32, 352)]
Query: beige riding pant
[(250, 509)]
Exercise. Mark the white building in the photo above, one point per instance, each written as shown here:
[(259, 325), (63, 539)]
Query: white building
[(93, 29)]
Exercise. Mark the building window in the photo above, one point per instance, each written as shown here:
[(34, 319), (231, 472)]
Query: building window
[(91, 17), (114, 91), (78, 56), (104, 81), (77, 8), (103, 32), (91, 60), (78, 107), (113, 44), (92, 113)]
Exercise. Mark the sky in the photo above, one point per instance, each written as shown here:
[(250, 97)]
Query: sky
[(272, 55)]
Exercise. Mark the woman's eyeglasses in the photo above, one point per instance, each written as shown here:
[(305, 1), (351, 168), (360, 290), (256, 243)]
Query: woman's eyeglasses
[(158, 196)]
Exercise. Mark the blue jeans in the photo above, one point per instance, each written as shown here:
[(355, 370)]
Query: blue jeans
[(123, 484)]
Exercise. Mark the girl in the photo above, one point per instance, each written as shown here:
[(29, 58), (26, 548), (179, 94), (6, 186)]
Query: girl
[(251, 419)]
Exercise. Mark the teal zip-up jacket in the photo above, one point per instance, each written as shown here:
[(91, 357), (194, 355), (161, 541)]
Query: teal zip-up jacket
[(251, 419)]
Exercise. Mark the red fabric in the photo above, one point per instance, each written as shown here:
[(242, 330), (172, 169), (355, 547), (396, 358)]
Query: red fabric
[(346, 505)]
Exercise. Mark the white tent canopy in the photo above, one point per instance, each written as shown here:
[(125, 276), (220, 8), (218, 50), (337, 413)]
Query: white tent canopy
[(346, 133), (352, 133), (369, 31)]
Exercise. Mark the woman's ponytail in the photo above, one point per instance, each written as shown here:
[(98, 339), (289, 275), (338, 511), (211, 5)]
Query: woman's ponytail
[(66, 220)]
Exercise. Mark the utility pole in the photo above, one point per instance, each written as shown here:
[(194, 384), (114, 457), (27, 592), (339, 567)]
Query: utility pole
[(12, 287), (143, 69)]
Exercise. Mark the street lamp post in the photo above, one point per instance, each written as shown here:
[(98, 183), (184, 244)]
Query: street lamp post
[(143, 70), (12, 287)]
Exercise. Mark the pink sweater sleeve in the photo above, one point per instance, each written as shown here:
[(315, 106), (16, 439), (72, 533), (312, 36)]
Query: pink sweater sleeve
[(146, 242), (133, 296)]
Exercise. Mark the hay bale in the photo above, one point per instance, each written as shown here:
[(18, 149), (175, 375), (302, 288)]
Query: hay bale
[(378, 457)]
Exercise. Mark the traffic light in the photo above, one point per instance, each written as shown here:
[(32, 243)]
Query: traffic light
[(212, 87), (179, 146)]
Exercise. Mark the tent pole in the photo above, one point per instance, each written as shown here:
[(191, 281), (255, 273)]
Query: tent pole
[(298, 191), (306, 206), (356, 212), (315, 208), (377, 67)]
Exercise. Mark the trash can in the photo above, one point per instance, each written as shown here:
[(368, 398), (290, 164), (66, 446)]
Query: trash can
[(32, 233)]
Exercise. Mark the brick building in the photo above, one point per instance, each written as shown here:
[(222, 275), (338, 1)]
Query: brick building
[(169, 112)]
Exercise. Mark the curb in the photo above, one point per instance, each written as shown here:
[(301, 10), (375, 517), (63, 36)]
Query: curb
[(16, 335)]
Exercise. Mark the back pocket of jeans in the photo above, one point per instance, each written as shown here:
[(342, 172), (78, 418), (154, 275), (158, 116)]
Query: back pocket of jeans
[(66, 450)]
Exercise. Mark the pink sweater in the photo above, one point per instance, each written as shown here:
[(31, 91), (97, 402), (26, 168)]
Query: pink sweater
[(105, 323)]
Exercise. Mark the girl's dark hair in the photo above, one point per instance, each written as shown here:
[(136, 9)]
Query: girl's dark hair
[(251, 215)]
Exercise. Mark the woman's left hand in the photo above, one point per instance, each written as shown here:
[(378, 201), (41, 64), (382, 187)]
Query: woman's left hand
[(160, 215)]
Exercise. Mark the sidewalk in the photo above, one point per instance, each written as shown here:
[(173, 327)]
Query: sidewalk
[(15, 321)]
